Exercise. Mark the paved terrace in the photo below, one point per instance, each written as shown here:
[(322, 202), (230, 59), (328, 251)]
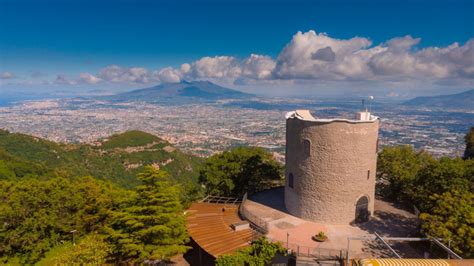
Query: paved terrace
[(388, 220)]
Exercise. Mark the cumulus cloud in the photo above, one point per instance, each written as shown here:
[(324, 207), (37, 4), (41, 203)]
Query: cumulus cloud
[(6, 75), (218, 67), (317, 56), (89, 78), (258, 67), (398, 60), (168, 75), (310, 57), (324, 54), (118, 74), (228, 68)]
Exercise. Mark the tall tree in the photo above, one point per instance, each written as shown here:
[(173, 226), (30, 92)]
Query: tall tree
[(240, 170), (150, 226), (469, 139)]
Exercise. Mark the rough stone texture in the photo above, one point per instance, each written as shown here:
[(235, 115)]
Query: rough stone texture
[(328, 182)]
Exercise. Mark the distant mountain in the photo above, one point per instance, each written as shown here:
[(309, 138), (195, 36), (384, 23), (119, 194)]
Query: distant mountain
[(461, 100), (196, 91)]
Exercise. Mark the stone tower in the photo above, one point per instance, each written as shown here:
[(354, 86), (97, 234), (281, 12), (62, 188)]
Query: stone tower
[(331, 167)]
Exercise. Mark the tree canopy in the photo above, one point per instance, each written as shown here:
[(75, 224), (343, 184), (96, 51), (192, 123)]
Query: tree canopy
[(36, 215), (118, 159), (441, 188), (452, 218), (151, 225), (240, 170), (399, 166), (113, 224), (260, 253), (91, 250)]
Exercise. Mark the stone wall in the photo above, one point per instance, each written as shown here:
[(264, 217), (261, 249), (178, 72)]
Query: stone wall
[(335, 174)]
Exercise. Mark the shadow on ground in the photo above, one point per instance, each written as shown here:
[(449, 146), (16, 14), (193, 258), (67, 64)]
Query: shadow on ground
[(392, 220), (273, 198)]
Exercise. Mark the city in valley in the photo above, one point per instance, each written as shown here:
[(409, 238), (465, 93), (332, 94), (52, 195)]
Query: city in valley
[(206, 128)]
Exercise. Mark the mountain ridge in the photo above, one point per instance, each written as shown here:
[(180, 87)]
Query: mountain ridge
[(460, 100), (117, 158), (182, 92)]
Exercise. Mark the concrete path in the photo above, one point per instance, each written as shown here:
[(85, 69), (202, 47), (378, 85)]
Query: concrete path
[(388, 220)]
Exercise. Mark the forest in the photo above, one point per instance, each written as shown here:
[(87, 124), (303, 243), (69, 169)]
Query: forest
[(77, 203)]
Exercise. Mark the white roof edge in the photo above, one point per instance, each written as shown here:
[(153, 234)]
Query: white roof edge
[(302, 115)]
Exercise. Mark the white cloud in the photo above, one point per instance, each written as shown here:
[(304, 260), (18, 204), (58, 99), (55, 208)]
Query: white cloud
[(225, 68), (218, 67), (398, 60), (258, 66), (315, 58), (168, 75), (114, 73), (89, 78), (6, 75)]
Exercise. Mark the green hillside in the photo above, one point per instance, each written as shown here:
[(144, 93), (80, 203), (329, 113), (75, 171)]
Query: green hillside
[(118, 158)]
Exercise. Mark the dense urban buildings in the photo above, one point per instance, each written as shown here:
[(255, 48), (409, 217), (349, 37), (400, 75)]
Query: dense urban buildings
[(214, 127)]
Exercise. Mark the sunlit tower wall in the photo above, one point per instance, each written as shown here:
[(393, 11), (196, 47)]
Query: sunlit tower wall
[(331, 167)]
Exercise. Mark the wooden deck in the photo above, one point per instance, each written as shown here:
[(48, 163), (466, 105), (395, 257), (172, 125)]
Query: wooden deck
[(209, 227)]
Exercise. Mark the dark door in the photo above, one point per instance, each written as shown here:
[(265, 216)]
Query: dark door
[(362, 210)]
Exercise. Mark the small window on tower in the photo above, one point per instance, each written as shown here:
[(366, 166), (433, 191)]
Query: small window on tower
[(306, 148), (368, 174), (290, 180)]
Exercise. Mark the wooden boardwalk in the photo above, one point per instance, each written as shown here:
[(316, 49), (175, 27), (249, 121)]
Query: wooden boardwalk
[(209, 226)]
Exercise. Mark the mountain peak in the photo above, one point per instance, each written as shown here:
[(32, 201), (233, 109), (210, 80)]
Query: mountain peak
[(182, 92)]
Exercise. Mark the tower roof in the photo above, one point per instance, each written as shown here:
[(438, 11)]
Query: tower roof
[(305, 115)]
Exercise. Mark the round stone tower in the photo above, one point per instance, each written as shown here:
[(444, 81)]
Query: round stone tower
[(331, 167)]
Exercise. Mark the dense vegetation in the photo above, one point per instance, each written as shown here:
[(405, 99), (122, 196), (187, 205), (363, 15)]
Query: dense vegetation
[(149, 225), (240, 170), (118, 159), (442, 189), (123, 213), (131, 213), (111, 223), (260, 253), (36, 215)]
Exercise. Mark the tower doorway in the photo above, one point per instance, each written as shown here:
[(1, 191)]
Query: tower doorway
[(362, 210)]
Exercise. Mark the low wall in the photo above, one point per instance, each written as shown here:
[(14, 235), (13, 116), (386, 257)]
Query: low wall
[(260, 224)]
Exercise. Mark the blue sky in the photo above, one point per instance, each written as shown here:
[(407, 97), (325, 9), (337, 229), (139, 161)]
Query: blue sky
[(46, 43)]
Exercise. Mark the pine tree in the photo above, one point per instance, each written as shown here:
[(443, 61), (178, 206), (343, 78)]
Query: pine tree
[(151, 225)]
